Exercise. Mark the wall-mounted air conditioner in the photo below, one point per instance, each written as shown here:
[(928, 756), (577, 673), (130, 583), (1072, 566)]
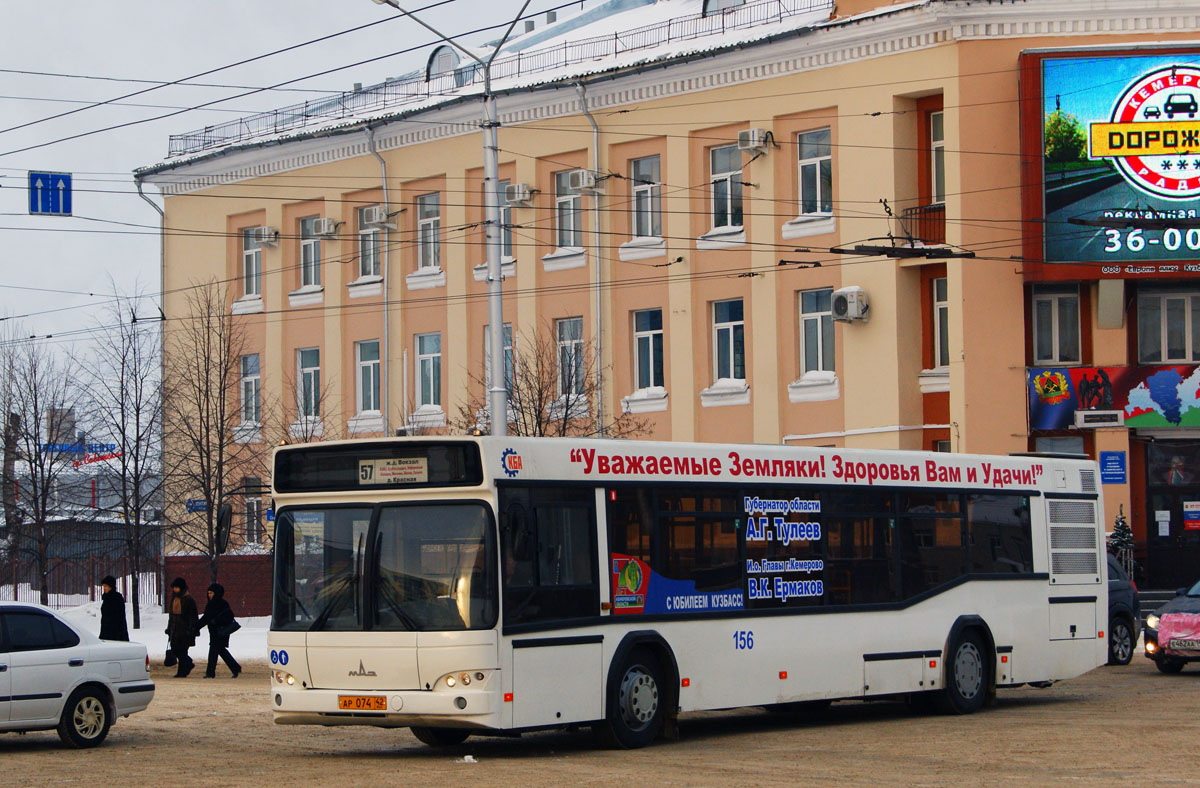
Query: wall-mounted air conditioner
[(376, 216), (325, 227), (850, 304), (583, 180), (754, 139), (518, 194), (266, 236)]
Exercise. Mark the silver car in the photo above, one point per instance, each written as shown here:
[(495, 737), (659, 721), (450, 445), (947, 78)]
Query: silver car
[(54, 675)]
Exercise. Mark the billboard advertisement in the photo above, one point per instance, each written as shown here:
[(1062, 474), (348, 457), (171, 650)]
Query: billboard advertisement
[(1157, 397), (1121, 146)]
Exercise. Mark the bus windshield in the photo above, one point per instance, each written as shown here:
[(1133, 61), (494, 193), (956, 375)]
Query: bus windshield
[(427, 567)]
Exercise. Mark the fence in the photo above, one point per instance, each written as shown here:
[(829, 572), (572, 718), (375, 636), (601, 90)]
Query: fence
[(416, 87), (74, 583)]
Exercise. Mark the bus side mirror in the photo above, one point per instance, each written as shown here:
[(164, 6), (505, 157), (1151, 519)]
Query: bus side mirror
[(224, 524)]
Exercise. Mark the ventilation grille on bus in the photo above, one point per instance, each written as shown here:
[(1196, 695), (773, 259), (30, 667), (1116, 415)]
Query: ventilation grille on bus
[(1074, 543), (1087, 481)]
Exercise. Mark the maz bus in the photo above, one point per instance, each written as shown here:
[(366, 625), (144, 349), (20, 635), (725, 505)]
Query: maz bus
[(459, 585)]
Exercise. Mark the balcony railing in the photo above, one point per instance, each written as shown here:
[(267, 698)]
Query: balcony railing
[(926, 223)]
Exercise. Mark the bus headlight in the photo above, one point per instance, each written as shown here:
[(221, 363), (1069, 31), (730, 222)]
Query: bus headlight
[(450, 682), (284, 678), (465, 679)]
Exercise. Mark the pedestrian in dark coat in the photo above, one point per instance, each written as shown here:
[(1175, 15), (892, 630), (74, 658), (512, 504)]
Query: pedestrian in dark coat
[(181, 626), (218, 617), (112, 611)]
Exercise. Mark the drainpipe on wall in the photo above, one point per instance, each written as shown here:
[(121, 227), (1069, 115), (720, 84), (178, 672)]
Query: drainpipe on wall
[(596, 253), (384, 406)]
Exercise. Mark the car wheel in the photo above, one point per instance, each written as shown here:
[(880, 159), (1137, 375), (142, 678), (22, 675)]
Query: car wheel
[(967, 671), (635, 708), (1120, 641), (85, 719), (440, 737), (1168, 665)]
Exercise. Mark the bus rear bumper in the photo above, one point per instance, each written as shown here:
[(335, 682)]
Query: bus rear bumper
[(466, 709)]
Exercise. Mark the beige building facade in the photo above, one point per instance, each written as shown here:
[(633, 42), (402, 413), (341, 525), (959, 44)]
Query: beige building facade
[(700, 238)]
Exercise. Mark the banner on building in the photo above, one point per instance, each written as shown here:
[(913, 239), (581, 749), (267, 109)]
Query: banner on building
[(1157, 397)]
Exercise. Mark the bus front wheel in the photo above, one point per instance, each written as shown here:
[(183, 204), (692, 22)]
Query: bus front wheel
[(635, 708), (967, 672), (440, 737)]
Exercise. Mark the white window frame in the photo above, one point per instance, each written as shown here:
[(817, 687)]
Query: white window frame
[(654, 340), (368, 247), (251, 263), (941, 307), (821, 165), (646, 203), (568, 334), (310, 253), (308, 385), (568, 212), (251, 387), (509, 357), (506, 242), (937, 157), (813, 319), (428, 364), (1190, 327), (254, 524), (725, 333), (367, 380), (1052, 297), (429, 223), (733, 188)]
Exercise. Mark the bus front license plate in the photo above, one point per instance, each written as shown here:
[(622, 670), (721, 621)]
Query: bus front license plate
[(1185, 645), (362, 703)]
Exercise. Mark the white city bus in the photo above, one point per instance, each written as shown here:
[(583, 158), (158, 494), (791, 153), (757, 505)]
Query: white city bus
[(459, 585)]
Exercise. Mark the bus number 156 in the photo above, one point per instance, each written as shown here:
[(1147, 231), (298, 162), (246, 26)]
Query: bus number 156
[(743, 640)]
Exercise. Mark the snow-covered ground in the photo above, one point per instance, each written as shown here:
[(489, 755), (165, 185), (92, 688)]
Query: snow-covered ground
[(248, 644)]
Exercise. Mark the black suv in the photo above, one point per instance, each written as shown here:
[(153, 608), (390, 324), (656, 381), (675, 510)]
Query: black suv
[(1124, 614)]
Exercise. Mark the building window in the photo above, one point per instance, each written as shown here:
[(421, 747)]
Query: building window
[(648, 347), (941, 324), (816, 330), (729, 340), (1168, 327), (252, 486), (368, 247), (508, 357), (570, 355), (937, 156), (568, 212), (368, 376), (308, 390), (506, 245), (429, 369), (942, 446), (1056, 324), (251, 390), (251, 263), (816, 172), (726, 180), (310, 253), (647, 197), (429, 222)]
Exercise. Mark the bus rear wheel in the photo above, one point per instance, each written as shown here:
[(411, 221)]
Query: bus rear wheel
[(967, 671), (440, 737), (635, 708)]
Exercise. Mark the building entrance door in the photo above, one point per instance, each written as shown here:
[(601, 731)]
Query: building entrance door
[(1173, 516)]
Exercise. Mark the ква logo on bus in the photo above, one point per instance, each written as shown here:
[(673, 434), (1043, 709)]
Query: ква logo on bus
[(1153, 133), (511, 462)]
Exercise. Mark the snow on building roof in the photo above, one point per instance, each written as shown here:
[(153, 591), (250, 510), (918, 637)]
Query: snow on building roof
[(616, 35)]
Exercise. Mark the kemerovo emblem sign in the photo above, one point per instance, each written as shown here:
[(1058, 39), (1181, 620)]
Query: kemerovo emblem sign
[(1153, 134)]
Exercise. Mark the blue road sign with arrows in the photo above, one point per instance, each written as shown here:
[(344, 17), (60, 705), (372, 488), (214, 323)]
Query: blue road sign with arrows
[(50, 193)]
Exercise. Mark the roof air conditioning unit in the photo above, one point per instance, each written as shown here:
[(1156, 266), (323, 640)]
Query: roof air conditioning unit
[(1090, 419), (266, 236), (753, 139), (375, 216), (583, 180), (325, 227), (849, 304), (518, 194)]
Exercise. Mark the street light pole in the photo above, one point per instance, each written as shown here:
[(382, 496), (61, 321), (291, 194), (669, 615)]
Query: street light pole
[(498, 391)]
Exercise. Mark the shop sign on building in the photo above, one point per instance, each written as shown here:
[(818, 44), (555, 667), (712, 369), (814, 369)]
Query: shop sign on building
[(1112, 467)]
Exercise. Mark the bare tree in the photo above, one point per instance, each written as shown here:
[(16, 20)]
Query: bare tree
[(38, 392), (208, 450), (552, 392), (127, 406)]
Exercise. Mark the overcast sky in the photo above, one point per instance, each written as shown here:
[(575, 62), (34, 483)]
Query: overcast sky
[(160, 40)]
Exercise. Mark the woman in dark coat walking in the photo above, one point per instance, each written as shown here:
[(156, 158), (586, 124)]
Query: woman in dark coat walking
[(112, 612), (181, 626), (218, 617)]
